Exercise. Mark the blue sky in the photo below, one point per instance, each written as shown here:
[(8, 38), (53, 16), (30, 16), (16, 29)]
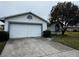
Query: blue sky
[(41, 8)]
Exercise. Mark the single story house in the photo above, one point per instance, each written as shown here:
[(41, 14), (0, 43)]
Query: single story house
[(25, 25)]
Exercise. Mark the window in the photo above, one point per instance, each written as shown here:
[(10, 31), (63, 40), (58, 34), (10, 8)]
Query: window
[(29, 17)]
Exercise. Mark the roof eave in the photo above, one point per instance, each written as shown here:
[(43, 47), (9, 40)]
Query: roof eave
[(25, 14)]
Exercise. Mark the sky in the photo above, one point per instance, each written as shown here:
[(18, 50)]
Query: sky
[(40, 8)]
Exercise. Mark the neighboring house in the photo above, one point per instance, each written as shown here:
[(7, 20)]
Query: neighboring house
[(55, 28), (73, 28), (25, 25), (1, 26)]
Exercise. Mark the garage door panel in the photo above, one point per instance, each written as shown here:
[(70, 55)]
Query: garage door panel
[(34, 30), (24, 30), (17, 30)]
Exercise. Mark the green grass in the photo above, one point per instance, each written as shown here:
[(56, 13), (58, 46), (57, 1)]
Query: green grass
[(70, 39), (2, 44)]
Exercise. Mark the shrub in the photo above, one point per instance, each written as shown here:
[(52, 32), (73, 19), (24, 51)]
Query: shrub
[(74, 30), (4, 36), (46, 33)]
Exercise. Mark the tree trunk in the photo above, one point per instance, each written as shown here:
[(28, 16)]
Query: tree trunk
[(63, 32)]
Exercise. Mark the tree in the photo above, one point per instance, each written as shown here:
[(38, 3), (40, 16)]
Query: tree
[(65, 13)]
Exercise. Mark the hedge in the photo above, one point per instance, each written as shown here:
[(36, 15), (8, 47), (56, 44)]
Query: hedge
[(46, 33), (4, 36)]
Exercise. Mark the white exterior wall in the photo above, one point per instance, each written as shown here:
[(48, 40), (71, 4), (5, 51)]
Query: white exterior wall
[(52, 28), (24, 19)]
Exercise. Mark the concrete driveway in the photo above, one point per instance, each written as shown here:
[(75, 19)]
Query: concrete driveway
[(37, 47)]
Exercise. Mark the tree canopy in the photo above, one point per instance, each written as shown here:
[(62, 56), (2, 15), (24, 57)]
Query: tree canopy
[(65, 13)]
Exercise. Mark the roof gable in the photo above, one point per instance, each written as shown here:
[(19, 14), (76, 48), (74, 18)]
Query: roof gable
[(25, 14)]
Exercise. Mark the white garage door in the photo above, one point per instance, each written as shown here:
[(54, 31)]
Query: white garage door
[(24, 30)]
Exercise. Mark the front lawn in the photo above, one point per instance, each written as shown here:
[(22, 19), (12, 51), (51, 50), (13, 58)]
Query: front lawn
[(70, 39), (2, 44)]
